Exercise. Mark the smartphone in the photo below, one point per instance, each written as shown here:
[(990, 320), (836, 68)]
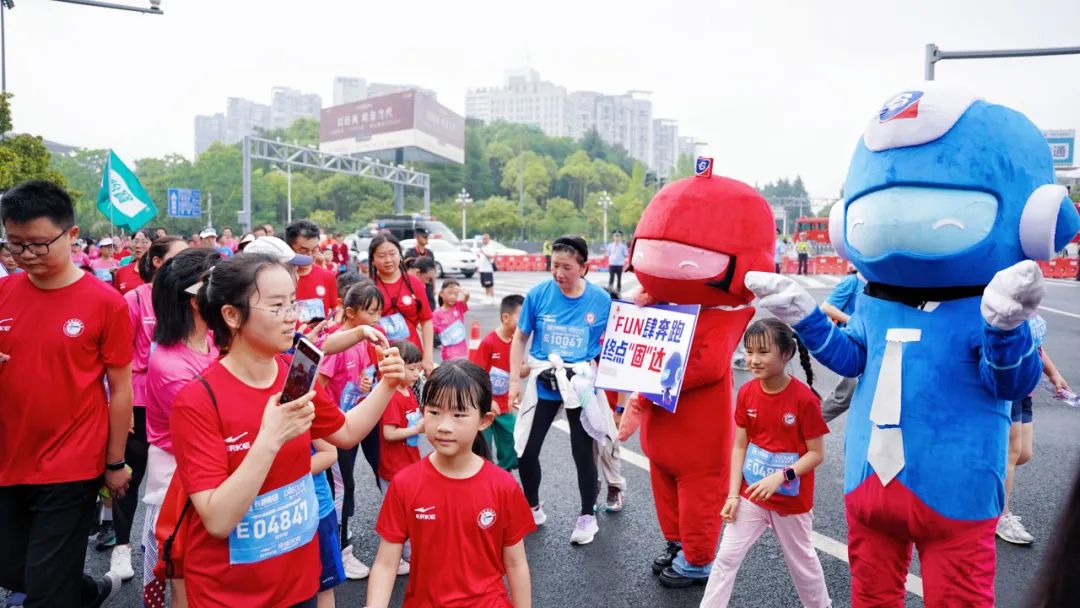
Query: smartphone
[(302, 372)]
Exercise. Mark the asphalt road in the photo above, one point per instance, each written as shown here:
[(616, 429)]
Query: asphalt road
[(613, 571)]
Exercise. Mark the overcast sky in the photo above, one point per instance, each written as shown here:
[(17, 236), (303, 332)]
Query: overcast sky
[(776, 88)]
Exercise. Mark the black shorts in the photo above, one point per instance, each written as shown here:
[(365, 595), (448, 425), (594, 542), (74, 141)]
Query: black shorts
[(1022, 410), (487, 279)]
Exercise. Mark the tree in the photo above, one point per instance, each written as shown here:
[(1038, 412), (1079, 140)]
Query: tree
[(23, 157), (580, 173), (561, 216), (537, 171), (497, 216)]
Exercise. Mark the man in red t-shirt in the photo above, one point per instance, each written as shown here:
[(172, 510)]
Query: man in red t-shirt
[(63, 334), (312, 283)]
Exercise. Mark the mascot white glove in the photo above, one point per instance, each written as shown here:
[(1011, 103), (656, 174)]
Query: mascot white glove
[(783, 297), (1013, 295)]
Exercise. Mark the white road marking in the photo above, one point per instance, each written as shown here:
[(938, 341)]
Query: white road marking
[(827, 545), (1060, 312)]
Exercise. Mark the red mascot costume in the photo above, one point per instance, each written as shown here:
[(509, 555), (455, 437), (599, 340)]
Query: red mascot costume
[(696, 241)]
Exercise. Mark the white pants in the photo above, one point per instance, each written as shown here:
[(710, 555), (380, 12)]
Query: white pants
[(609, 464), (793, 532)]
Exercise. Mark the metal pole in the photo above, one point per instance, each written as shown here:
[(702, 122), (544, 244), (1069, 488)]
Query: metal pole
[(3, 49), (209, 209), (427, 199), (245, 201), (153, 10), (931, 60), (288, 194), (463, 221)]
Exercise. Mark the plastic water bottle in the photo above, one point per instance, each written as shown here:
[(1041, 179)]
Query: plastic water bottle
[(1070, 398)]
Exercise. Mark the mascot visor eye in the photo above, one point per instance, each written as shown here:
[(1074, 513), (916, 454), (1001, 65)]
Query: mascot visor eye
[(671, 260), (926, 221)]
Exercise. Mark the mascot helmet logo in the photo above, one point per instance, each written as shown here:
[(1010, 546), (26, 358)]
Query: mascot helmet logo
[(904, 105)]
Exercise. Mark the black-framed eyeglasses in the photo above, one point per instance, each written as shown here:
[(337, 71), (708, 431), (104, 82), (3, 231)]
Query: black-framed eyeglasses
[(38, 249)]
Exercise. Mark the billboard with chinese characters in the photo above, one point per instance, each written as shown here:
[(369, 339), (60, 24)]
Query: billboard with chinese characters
[(646, 349), (410, 121), (1061, 142)]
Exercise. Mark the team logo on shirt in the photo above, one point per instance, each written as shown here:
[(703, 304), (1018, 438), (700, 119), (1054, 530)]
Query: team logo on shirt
[(231, 444), (73, 328), (3, 324), (425, 513), (751, 413), (486, 519), (589, 318), (320, 290), (406, 300), (789, 419)]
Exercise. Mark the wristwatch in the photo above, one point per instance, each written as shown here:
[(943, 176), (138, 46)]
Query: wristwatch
[(789, 474), (116, 466)]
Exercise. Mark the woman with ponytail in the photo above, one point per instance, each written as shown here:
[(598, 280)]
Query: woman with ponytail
[(779, 442)]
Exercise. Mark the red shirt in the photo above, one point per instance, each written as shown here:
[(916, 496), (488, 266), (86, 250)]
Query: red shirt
[(472, 520), (412, 305), (396, 455), (341, 253), (493, 356), (127, 277), (781, 423), (54, 414), (318, 284), (210, 444)]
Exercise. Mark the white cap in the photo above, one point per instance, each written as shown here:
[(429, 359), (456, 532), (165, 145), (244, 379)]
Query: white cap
[(207, 232), (276, 248), (105, 242)]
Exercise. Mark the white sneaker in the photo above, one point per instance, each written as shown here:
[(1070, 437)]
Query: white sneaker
[(403, 568), (1009, 529), (539, 517), (355, 569), (120, 562), (585, 530)]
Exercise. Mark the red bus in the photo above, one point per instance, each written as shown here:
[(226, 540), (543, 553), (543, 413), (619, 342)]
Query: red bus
[(816, 229)]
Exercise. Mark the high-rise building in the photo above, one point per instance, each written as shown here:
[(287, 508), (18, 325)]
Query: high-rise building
[(524, 99), (378, 89), (665, 146), (208, 129), (348, 90), (289, 105), (689, 147), (244, 117), (620, 120)]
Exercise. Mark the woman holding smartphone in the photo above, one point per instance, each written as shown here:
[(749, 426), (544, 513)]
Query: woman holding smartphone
[(243, 456)]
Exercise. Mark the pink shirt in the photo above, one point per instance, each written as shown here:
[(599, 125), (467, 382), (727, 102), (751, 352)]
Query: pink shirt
[(80, 259), (143, 321), (449, 325), (345, 368), (171, 369)]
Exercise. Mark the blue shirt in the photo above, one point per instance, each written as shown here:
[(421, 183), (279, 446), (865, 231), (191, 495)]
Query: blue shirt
[(322, 492), (224, 251), (569, 327), (846, 292), (616, 253)]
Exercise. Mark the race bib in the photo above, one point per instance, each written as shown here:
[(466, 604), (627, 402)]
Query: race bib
[(761, 463), (567, 341), (454, 334), (500, 381), (412, 418), (311, 309), (278, 521), (104, 274), (350, 396), (395, 327)]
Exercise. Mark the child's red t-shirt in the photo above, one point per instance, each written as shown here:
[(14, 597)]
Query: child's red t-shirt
[(494, 357), (472, 520), (396, 455), (777, 427)]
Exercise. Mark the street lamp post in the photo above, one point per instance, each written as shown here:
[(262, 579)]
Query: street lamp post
[(8, 5), (605, 202), (464, 200)]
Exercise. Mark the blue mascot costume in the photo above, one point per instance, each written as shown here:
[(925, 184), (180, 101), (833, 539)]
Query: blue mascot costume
[(948, 199)]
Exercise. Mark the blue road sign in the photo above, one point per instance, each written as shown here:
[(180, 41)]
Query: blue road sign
[(184, 202)]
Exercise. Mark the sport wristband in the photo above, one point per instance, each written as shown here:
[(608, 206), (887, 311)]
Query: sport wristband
[(116, 466)]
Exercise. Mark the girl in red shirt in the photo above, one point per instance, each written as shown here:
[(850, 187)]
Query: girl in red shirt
[(406, 311), (243, 457), (778, 443), (466, 518)]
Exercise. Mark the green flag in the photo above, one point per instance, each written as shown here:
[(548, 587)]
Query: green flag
[(122, 198)]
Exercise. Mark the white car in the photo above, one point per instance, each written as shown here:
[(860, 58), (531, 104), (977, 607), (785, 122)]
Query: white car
[(448, 258), (499, 248)]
